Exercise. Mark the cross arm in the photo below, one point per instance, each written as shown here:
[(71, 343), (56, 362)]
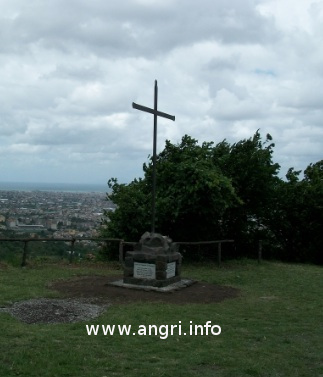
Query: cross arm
[(152, 111)]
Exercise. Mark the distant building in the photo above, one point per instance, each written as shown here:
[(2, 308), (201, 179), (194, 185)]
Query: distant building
[(11, 222), (29, 227)]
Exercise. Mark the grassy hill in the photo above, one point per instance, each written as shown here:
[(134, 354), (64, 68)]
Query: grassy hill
[(274, 328)]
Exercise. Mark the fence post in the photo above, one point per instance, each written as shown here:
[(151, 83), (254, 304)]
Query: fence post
[(72, 250), (259, 251), (121, 253), (24, 254), (219, 254)]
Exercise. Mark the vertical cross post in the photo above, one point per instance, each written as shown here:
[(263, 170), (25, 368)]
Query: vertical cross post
[(219, 254), (153, 204), (156, 113), (24, 254), (72, 249)]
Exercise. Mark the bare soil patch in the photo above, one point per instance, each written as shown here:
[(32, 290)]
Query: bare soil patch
[(97, 287), (87, 297)]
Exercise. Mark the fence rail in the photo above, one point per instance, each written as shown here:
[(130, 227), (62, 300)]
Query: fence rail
[(25, 241), (219, 248), (197, 243)]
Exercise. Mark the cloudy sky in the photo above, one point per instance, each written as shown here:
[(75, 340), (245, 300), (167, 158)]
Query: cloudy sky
[(70, 70)]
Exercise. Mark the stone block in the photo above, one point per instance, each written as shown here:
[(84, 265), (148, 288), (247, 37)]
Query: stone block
[(161, 265), (162, 257), (128, 261), (153, 262), (128, 271), (174, 257), (160, 275)]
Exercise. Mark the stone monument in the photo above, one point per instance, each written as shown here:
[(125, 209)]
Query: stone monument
[(154, 262)]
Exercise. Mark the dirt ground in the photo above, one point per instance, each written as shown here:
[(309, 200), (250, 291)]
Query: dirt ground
[(96, 287), (87, 297)]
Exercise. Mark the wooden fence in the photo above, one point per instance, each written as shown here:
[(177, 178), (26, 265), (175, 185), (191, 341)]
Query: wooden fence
[(121, 242), (218, 248), (26, 241)]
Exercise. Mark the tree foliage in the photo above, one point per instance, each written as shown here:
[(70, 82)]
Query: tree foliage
[(253, 174), (296, 221), (191, 198), (208, 192)]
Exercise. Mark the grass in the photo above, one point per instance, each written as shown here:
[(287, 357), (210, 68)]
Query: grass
[(273, 329)]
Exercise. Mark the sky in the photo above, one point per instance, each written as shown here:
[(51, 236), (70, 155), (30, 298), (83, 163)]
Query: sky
[(70, 71)]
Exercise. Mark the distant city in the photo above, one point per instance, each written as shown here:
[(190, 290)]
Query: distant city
[(52, 210), (35, 186)]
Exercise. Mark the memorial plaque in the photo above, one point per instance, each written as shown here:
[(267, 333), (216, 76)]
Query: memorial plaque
[(171, 269), (144, 270)]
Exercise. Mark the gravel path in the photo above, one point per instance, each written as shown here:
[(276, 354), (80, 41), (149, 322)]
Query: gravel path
[(44, 310)]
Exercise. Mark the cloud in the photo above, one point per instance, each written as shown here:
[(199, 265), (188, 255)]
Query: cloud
[(132, 28), (70, 71)]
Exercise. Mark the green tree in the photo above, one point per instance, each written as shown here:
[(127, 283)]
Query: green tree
[(313, 181), (192, 194), (250, 167), (191, 198), (131, 216), (297, 221), (207, 192)]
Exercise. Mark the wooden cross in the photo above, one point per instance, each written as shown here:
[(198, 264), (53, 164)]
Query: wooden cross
[(156, 113)]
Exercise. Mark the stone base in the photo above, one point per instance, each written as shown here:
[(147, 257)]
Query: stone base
[(152, 270), (183, 283), (151, 282), (153, 262)]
